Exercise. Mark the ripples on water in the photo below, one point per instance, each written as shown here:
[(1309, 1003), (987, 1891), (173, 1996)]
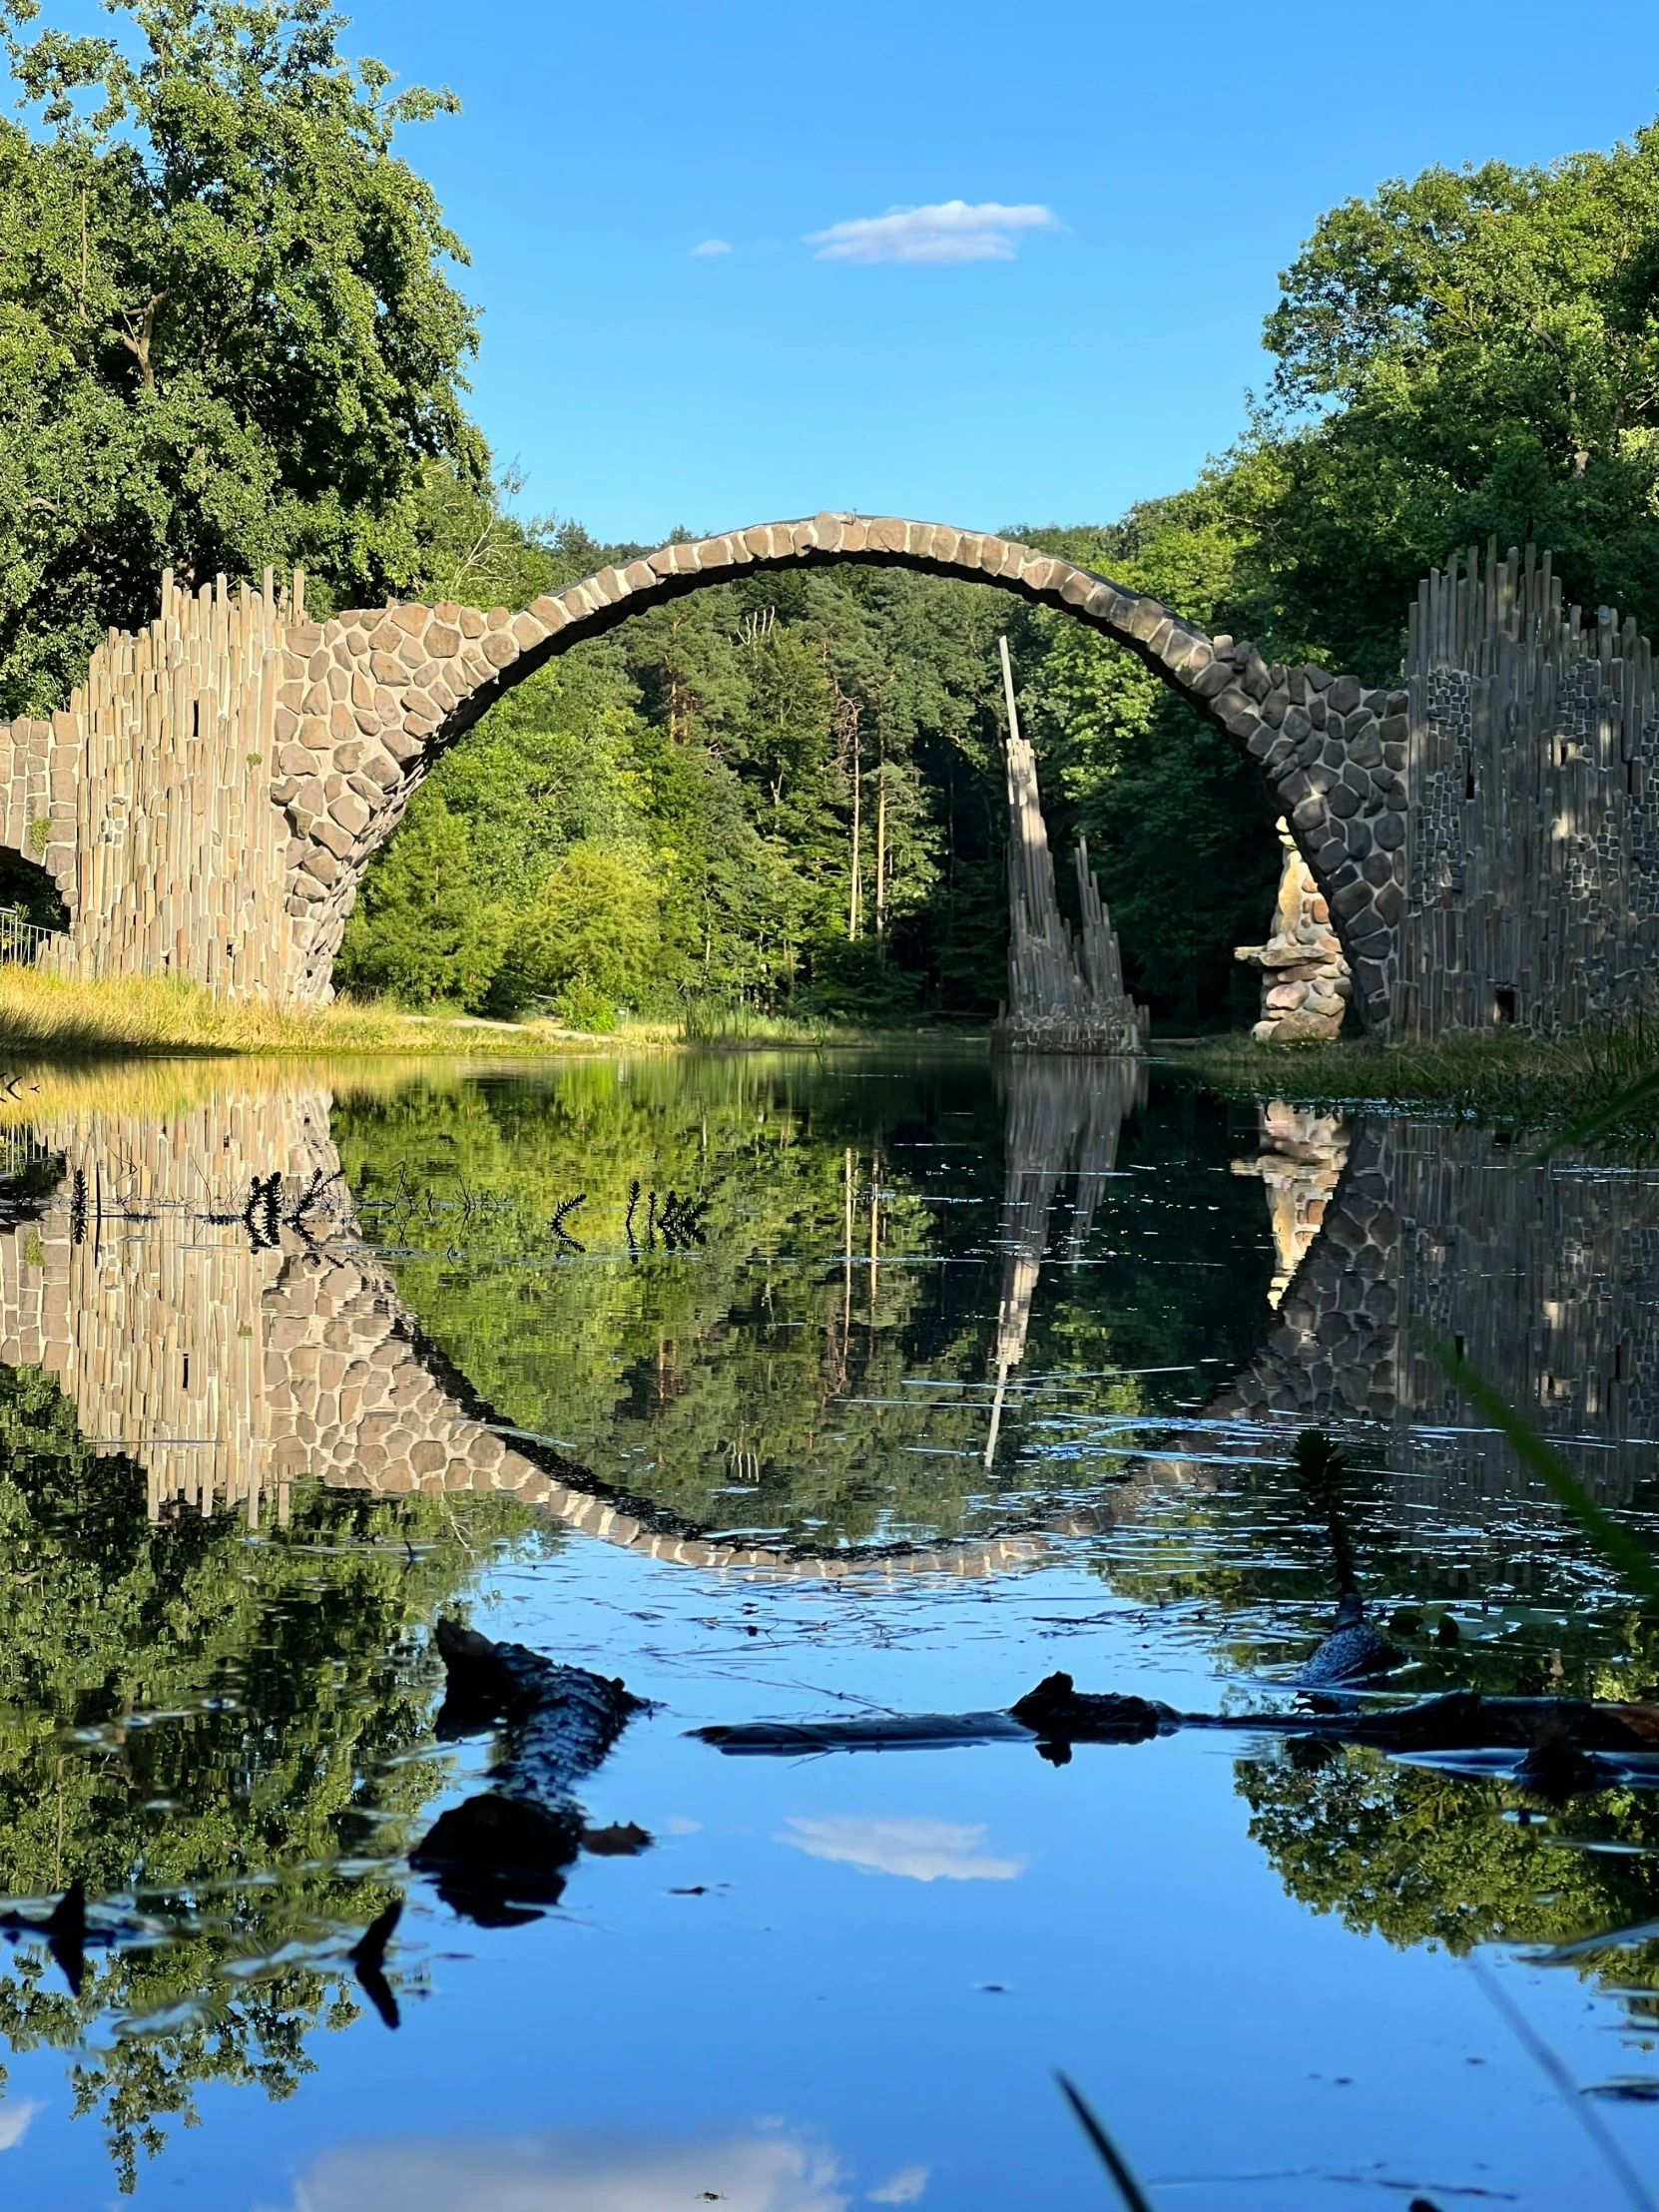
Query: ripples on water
[(848, 1386)]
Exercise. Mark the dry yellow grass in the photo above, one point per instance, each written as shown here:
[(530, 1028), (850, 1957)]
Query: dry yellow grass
[(51, 1017), (158, 1087)]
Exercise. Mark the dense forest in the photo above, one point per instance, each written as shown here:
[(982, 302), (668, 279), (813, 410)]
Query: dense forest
[(229, 336)]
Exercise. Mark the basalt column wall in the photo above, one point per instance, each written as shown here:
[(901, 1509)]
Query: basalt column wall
[(157, 820), (1532, 849)]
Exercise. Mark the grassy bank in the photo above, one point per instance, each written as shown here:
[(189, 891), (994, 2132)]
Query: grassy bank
[(59, 1017), (741, 1028), (55, 1017), (1605, 1085)]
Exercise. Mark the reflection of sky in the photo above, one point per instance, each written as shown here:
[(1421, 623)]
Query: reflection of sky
[(1248, 2054), (1245, 2050), (14, 2123), (577, 2173), (924, 1851)]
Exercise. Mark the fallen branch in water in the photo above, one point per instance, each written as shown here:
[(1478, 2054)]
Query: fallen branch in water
[(369, 1960), (1566, 1743), (514, 1842), (65, 1930)]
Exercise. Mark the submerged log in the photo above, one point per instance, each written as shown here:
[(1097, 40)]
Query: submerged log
[(1564, 1744), (368, 1962), (512, 1844), (65, 1930)]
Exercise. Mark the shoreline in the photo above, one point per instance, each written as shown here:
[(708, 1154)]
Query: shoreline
[(65, 1020), (1558, 1086), (1600, 1084)]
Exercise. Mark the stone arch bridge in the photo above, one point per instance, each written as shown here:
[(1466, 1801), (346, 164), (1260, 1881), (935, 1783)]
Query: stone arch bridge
[(211, 796), (1486, 837)]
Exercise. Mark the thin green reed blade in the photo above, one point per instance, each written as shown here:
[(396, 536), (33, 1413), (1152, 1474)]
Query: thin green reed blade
[(1133, 2195), (1626, 1553), (1595, 1121)]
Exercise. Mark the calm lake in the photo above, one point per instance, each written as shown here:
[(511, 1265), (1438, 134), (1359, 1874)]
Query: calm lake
[(804, 1386)]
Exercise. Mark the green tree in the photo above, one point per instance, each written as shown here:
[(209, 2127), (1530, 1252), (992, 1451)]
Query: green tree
[(227, 338), (1472, 353), (590, 939), (424, 929)]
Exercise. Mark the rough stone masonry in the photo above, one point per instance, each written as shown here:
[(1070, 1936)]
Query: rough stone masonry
[(210, 798)]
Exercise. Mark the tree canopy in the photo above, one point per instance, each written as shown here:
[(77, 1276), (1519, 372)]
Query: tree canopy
[(1472, 353), (227, 339)]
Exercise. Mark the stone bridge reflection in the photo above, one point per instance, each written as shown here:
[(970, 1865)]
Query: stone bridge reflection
[(1546, 1279), (232, 1350), (233, 1347)]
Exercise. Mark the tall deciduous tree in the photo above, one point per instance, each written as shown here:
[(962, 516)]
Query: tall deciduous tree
[(1472, 353), (226, 333)]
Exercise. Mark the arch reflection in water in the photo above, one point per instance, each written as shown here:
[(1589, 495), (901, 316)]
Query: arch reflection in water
[(233, 1344), (235, 1332), (201, 1287)]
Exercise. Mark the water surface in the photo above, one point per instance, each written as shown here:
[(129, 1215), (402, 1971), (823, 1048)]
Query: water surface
[(802, 1386)]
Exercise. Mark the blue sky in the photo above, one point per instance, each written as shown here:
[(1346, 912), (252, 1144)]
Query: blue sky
[(1089, 355)]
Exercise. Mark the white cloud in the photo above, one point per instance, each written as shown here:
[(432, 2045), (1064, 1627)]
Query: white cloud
[(710, 247), (14, 2123), (569, 2173), (951, 231), (921, 1850), (903, 2187)]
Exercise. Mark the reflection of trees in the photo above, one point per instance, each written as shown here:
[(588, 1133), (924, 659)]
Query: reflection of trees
[(762, 1381), (1425, 1857), (206, 1724)]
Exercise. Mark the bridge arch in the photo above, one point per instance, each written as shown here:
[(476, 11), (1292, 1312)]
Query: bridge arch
[(211, 795), (371, 699)]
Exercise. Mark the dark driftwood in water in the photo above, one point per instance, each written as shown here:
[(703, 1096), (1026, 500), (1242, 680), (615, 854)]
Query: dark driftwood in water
[(559, 1723), (1567, 1743), (368, 1958), (66, 1932)]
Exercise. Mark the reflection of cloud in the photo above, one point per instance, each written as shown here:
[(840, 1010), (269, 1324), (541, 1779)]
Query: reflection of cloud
[(903, 2187), (949, 232), (569, 2173), (710, 247), (14, 2123), (925, 1851)]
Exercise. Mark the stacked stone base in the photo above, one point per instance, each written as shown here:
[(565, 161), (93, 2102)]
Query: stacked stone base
[(1305, 985)]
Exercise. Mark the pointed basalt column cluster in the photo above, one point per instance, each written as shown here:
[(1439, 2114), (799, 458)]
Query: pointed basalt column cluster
[(369, 701)]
